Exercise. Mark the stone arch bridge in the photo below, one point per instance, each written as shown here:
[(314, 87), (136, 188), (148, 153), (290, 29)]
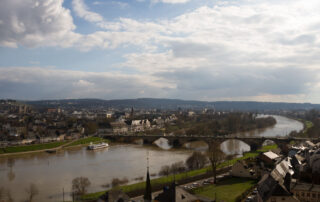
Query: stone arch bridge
[(253, 142)]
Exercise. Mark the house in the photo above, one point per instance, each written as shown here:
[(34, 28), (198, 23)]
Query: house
[(269, 158), (309, 144), (114, 195), (140, 125), (175, 194), (109, 115), (191, 113), (275, 186), (306, 191), (119, 127), (241, 169)]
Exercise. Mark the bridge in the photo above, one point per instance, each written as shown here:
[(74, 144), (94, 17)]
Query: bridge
[(178, 140)]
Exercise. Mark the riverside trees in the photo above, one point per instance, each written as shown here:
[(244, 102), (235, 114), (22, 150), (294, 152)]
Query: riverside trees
[(80, 185)]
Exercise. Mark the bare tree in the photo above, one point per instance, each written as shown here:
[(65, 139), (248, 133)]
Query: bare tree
[(164, 171), (215, 156), (116, 181), (196, 161), (177, 167), (80, 185), (32, 191)]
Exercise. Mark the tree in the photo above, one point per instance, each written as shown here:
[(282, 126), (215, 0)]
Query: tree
[(32, 191), (177, 167), (196, 161), (215, 156), (164, 171), (80, 185), (91, 127)]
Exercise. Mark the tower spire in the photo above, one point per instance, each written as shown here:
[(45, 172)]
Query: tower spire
[(147, 195)]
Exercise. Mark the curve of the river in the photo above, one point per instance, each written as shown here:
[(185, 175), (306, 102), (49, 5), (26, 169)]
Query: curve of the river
[(283, 127), (52, 173)]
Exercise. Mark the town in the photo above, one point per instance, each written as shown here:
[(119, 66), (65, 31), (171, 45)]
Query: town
[(273, 169)]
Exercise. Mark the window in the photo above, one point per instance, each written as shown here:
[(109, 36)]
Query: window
[(313, 195), (308, 194), (302, 194), (273, 200)]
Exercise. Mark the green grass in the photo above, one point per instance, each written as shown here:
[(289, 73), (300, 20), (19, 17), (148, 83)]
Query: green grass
[(184, 175), (227, 190), (87, 140), (35, 147), (308, 124)]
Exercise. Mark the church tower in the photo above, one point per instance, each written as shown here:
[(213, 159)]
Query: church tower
[(148, 192)]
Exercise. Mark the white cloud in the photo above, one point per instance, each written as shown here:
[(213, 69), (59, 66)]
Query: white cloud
[(82, 11), (44, 23), (170, 1)]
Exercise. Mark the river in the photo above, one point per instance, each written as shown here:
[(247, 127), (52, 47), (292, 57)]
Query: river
[(53, 173), (283, 127)]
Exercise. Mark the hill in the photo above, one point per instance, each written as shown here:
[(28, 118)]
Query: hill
[(173, 104)]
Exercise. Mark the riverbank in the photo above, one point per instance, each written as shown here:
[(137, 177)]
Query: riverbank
[(28, 149), (157, 184), (53, 146), (307, 125)]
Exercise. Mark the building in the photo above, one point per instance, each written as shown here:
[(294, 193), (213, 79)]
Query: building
[(175, 194), (242, 169), (269, 158), (275, 186), (119, 127), (306, 192)]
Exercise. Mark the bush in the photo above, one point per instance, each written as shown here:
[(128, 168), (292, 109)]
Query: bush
[(196, 161), (117, 182)]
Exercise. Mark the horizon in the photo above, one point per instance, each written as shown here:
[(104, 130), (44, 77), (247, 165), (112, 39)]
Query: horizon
[(141, 98), (263, 51)]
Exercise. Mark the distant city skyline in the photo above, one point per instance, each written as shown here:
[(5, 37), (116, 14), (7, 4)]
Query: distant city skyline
[(207, 50)]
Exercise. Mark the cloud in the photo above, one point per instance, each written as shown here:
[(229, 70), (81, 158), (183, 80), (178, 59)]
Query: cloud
[(243, 49), (29, 23), (82, 11), (170, 1), (51, 83), (236, 83)]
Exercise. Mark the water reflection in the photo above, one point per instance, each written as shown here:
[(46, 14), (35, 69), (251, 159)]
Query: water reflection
[(283, 127), (52, 172), (234, 147), (10, 163)]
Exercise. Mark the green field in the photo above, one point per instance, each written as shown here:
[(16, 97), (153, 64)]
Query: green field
[(227, 190), (87, 140), (308, 124), (26, 148), (184, 175)]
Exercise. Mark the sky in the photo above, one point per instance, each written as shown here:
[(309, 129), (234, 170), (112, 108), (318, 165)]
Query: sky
[(240, 50)]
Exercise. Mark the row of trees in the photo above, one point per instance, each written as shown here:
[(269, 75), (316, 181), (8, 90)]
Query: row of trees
[(228, 123)]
